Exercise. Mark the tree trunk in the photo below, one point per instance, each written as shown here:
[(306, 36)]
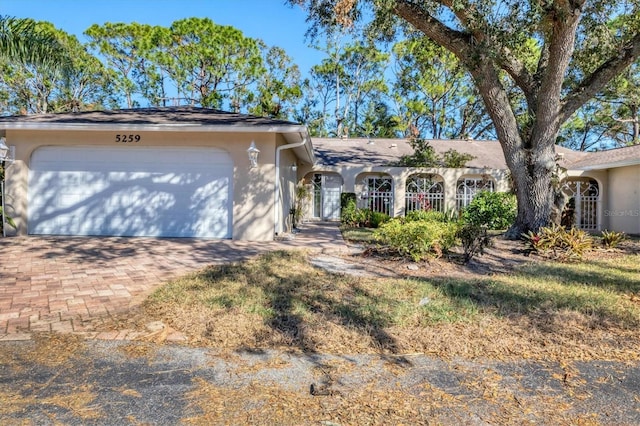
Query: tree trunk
[(531, 162), (533, 180)]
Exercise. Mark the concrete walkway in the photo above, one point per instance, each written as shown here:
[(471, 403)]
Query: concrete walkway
[(67, 284)]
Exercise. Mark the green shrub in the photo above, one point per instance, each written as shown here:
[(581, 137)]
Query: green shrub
[(348, 214), (474, 240), (428, 215), (355, 217), (377, 219), (432, 215), (495, 210), (559, 243), (611, 239), (417, 239), (351, 215), (9, 221), (346, 198)]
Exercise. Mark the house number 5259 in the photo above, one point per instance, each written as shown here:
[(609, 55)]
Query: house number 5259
[(127, 138)]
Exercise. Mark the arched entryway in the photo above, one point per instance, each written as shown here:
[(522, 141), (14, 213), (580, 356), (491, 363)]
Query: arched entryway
[(424, 192), (583, 202), (325, 198)]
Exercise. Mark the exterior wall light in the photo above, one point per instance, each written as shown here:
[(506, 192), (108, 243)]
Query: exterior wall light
[(294, 167), (253, 154), (7, 153)]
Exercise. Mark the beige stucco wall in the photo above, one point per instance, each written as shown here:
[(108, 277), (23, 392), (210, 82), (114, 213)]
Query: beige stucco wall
[(623, 202), (287, 186), (253, 196)]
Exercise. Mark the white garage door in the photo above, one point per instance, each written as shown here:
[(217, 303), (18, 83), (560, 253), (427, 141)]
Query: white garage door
[(130, 191)]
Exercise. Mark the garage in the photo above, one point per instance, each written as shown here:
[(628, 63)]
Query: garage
[(130, 190)]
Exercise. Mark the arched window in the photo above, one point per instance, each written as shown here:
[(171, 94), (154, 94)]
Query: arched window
[(467, 188), (424, 192), (376, 194)]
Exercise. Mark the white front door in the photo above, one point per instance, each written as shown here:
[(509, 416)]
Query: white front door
[(130, 191), (331, 190)]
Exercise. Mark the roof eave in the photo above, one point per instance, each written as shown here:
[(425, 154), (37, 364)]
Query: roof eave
[(612, 165), (172, 127), (305, 152)]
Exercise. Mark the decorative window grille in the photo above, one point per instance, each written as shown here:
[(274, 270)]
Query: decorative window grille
[(581, 210), (424, 193), (468, 188), (377, 194)]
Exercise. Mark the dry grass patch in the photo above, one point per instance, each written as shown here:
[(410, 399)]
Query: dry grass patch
[(51, 350), (78, 402), (380, 401), (137, 349), (269, 404), (54, 349), (48, 349), (544, 310)]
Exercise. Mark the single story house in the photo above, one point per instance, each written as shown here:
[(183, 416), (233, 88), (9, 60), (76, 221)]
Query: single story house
[(164, 172), (193, 172), (602, 188)]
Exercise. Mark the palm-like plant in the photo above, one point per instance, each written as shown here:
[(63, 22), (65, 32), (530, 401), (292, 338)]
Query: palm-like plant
[(20, 40)]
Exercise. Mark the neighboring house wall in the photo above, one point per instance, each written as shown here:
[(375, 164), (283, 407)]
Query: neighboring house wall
[(623, 203), (252, 208)]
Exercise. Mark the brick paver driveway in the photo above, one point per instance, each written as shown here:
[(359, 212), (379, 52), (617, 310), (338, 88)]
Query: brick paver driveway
[(66, 283)]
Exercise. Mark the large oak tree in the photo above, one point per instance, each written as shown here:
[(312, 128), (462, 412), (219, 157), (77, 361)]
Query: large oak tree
[(487, 37)]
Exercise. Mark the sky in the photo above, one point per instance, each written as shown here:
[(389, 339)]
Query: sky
[(276, 23)]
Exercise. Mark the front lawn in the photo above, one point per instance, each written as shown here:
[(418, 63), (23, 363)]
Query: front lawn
[(354, 234), (543, 310)]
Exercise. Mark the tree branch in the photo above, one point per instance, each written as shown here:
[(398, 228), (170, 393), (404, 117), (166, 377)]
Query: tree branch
[(457, 42), (564, 18), (594, 83), (483, 70), (523, 78), (507, 61)]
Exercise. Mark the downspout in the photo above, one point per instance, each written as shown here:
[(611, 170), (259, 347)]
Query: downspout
[(276, 210)]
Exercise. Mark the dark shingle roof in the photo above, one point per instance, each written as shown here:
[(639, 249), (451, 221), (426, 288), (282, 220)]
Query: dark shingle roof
[(162, 116), (383, 152), (618, 157)]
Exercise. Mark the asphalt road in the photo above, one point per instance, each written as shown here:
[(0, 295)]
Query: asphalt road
[(125, 383)]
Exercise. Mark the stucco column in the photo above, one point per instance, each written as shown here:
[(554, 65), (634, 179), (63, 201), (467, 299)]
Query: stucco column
[(450, 177), (16, 180), (348, 179), (399, 190)]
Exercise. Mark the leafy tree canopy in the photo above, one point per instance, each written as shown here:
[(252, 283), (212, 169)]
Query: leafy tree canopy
[(425, 155)]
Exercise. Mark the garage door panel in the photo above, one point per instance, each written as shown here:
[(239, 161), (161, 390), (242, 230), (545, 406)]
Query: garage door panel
[(176, 196)]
